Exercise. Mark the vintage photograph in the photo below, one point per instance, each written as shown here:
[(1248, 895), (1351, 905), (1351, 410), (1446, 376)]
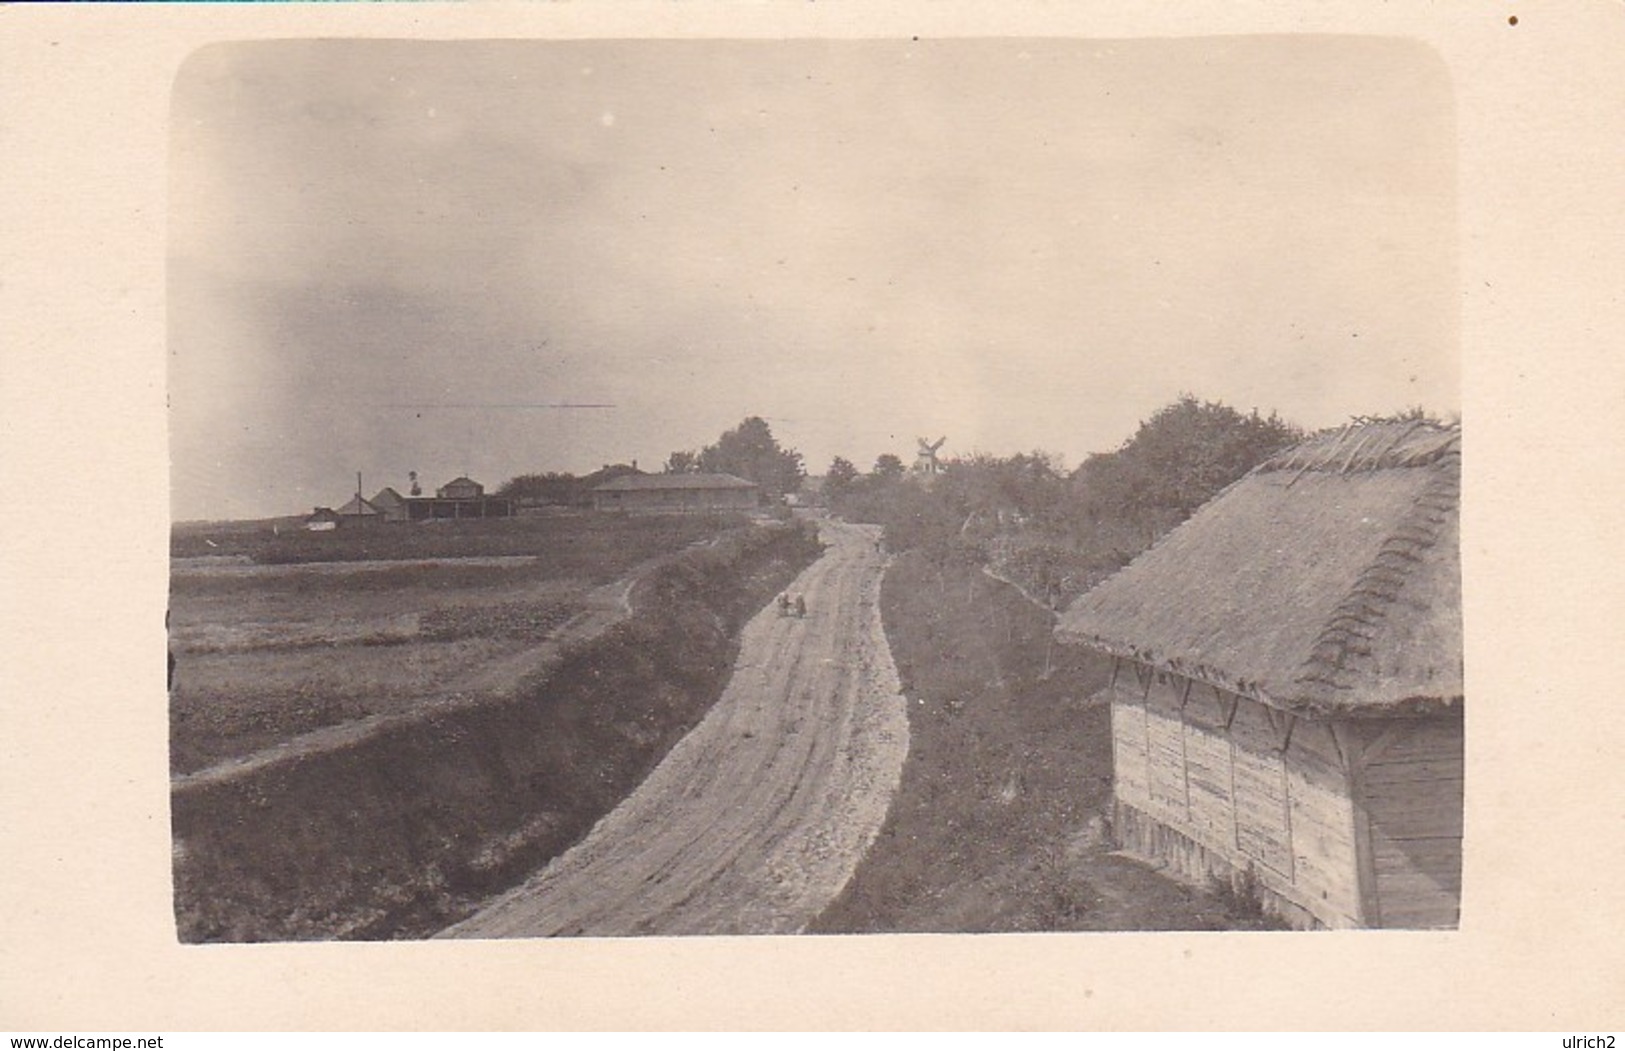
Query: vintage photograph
[(815, 486)]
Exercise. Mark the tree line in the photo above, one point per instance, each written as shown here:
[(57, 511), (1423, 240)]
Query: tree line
[(748, 451), (1053, 530)]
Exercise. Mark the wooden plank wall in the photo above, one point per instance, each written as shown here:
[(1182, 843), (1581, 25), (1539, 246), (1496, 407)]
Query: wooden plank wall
[(1413, 798), (1325, 861), (1131, 779), (1165, 741), (1234, 793), (1208, 769), (1261, 800)]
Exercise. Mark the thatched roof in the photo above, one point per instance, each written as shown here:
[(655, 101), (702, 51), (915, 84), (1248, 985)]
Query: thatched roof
[(1328, 579), (691, 480)]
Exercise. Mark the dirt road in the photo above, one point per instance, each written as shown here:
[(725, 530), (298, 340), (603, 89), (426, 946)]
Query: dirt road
[(757, 818)]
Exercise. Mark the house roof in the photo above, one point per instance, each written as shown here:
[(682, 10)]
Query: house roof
[(461, 479), (643, 482), (1328, 579), (386, 496), (358, 506)]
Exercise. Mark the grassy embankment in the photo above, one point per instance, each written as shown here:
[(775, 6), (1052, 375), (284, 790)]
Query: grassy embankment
[(998, 824), (406, 831)]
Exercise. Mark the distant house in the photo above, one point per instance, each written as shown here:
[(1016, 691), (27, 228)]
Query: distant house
[(1287, 687), (461, 488), (459, 498), (655, 493), (358, 511), (390, 504), (811, 493)]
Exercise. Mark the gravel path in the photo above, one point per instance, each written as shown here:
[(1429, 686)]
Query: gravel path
[(757, 818)]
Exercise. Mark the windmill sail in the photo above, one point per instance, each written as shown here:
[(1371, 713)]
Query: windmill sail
[(926, 461)]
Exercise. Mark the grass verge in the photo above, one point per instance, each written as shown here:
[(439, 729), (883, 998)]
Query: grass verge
[(998, 823)]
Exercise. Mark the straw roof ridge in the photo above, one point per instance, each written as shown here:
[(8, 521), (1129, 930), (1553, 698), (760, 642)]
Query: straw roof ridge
[(1370, 445), (1342, 653), (1326, 579)]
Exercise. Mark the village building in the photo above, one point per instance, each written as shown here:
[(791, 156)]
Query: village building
[(355, 513), (458, 498), (811, 493), (460, 488), (359, 512), (390, 504), (1287, 688), (677, 493), (461, 497)]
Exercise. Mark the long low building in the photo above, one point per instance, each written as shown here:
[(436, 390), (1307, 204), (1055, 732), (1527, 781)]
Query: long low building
[(679, 493), (457, 499), (1287, 688), (462, 497)]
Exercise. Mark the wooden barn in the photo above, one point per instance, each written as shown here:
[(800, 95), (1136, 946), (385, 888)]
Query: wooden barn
[(1286, 697), (355, 513), (668, 493)]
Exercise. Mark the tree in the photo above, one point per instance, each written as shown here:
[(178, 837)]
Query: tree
[(1022, 487), (1191, 449), (750, 451), (682, 462), (839, 478), (888, 466), (553, 487), (1178, 459)]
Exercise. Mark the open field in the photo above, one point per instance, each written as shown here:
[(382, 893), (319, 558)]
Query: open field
[(268, 652), (997, 825), (572, 543), (406, 828)]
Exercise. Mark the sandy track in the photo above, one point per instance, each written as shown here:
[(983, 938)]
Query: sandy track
[(758, 817)]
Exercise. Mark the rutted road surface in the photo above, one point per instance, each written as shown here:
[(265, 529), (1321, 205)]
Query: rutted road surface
[(758, 817)]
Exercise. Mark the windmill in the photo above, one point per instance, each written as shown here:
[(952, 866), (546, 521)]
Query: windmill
[(926, 462)]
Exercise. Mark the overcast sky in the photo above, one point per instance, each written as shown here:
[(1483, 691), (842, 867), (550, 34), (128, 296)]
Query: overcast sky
[(388, 256)]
